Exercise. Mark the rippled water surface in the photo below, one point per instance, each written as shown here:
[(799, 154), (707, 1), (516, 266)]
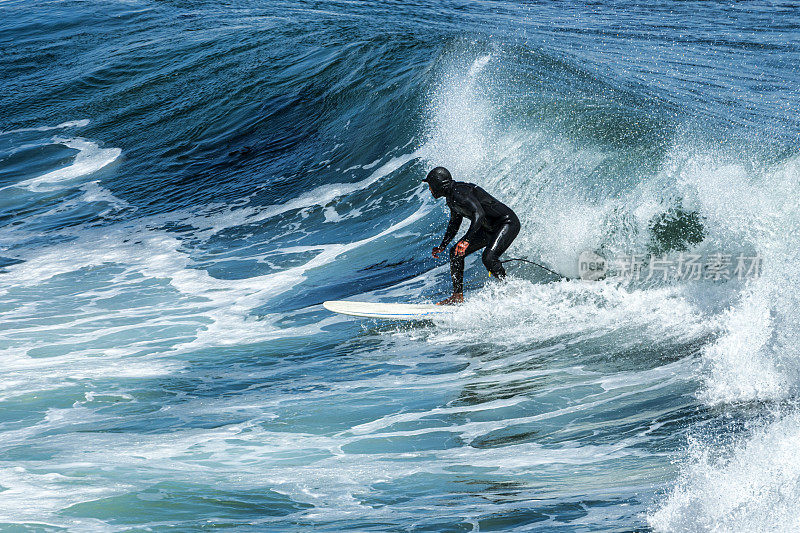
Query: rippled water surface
[(183, 183)]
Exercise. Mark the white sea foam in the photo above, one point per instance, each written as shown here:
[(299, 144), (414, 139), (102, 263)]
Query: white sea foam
[(190, 309), (90, 159), (69, 124), (329, 471), (518, 311), (321, 196), (459, 123), (751, 486), (758, 357)]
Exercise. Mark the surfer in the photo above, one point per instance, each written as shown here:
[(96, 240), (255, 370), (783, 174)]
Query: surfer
[(493, 226)]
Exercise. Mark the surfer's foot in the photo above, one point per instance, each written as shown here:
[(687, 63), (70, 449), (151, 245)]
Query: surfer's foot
[(457, 298)]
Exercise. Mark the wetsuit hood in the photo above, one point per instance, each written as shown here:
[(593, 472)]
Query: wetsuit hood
[(440, 181)]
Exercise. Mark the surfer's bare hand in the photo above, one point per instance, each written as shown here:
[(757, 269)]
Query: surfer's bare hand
[(461, 248), (436, 251)]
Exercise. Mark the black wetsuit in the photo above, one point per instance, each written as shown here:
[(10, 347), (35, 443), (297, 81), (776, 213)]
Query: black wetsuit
[(494, 225)]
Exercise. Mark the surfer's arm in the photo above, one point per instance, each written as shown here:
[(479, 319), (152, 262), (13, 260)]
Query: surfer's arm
[(452, 228)]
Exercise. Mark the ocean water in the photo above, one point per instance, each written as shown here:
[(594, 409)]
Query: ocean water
[(182, 183)]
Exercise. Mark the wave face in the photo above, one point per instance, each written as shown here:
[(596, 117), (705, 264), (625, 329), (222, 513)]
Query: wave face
[(183, 183)]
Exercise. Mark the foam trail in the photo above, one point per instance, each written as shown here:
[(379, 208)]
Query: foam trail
[(69, 124), (242, 296), (322, 196), (229, 302), (90, 159), (530, 311)]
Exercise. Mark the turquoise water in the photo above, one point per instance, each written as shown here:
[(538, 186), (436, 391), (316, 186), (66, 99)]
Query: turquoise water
[(182, 184)]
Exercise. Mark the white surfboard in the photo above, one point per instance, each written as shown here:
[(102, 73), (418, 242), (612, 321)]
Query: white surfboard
[(388, 311)]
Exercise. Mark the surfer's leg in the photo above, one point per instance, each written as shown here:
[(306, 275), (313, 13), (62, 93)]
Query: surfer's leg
[(498, 244), (457, 262)]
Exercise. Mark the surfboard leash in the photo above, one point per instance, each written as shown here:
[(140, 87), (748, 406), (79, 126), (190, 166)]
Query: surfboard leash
[(526, 260)]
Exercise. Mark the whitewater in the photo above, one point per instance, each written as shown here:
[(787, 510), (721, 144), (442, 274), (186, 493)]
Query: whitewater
[(182, 184)]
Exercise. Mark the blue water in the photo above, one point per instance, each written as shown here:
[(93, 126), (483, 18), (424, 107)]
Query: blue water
[(182, 184)]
